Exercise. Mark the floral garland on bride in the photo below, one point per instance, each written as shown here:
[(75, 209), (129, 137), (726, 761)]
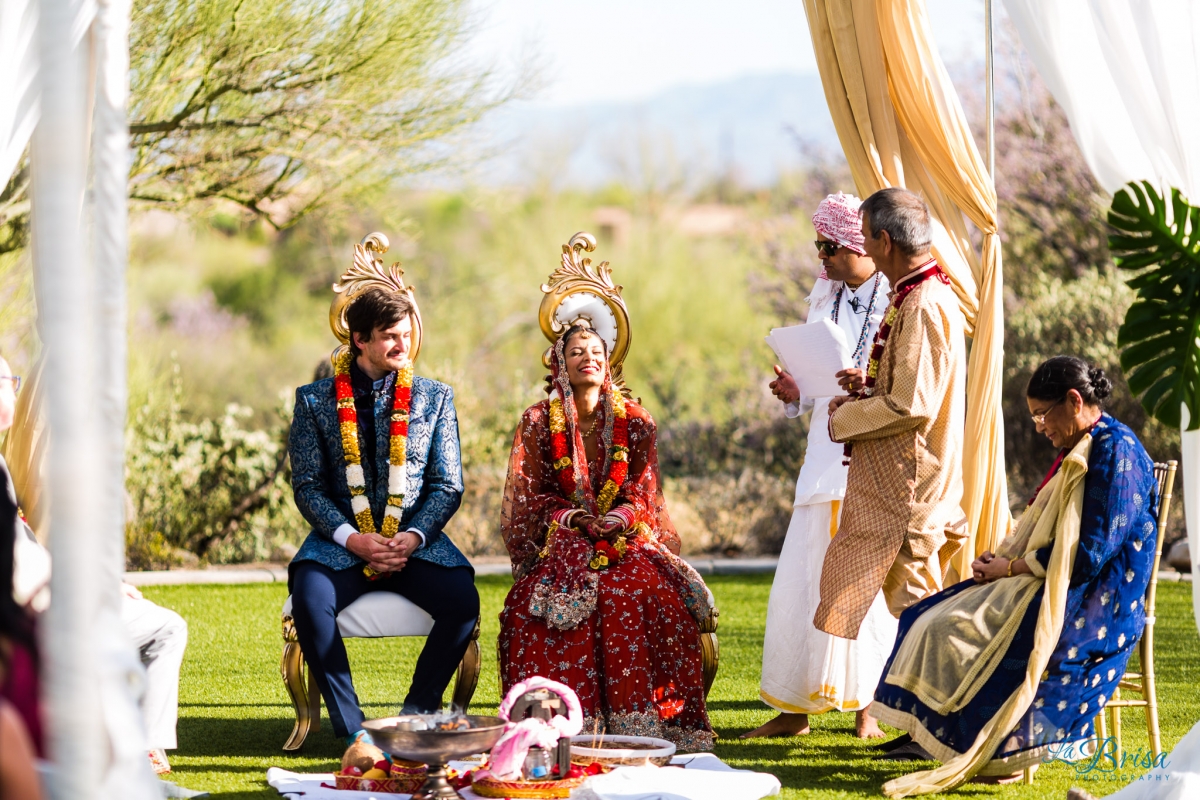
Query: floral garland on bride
[(618, 468), (397, 451)]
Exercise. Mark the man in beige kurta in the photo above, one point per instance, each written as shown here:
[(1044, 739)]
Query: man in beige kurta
[(902, 521)]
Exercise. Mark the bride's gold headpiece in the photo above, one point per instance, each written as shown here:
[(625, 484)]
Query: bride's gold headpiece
[(367, 272), (579, 293)]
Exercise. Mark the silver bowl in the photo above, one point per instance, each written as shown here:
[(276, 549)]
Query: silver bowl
[(406, 737)]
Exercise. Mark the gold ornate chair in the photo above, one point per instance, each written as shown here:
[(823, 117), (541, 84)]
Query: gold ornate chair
[(580, 291), (710, 650), (1141, 682), (373, 616)]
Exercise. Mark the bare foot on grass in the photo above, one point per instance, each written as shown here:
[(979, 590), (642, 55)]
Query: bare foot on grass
[(866, 727), (782, 725)]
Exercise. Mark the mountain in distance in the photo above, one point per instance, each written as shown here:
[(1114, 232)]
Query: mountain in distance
[(750, 129)]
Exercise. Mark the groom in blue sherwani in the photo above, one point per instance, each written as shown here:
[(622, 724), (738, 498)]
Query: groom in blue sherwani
[(420, 562)]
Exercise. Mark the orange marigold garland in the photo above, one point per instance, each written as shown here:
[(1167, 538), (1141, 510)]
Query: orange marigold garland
[(560, 451), (397, 451), (618, 456), (618, 469), (606, 553)]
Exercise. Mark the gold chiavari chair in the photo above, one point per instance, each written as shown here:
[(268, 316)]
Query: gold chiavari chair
[(1140, 682)]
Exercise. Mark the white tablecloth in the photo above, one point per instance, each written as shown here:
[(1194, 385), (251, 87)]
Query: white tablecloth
[(696, 781)]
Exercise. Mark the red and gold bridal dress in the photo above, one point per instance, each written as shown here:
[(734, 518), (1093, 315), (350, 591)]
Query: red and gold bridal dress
[(624, 635)]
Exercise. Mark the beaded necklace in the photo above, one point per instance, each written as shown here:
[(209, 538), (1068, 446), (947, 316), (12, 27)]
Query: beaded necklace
[(862, 335)]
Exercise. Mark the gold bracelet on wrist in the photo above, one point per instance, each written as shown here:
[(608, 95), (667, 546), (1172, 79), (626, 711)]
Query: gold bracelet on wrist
[(1010, 563)]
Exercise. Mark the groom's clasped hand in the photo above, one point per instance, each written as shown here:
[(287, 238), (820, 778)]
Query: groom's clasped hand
[(381, 553)]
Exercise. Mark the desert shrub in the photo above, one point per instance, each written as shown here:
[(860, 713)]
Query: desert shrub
[(730, 515), (475, 527), (729, 484), (764, 442), (1051, 207), (213, 488)]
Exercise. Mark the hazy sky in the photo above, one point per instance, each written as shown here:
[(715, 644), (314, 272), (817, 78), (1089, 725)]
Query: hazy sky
[(619, 50)]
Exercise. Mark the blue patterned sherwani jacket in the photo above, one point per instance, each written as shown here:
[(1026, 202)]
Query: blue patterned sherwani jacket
[(434, 485)]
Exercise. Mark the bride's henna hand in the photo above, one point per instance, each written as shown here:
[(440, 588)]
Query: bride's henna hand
[(610, 529)]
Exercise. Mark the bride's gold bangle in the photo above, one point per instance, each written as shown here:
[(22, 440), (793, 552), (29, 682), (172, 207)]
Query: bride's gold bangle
[(1010, 563)]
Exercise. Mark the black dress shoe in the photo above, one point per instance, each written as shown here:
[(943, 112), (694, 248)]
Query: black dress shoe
[(909, 752), (892, 744)]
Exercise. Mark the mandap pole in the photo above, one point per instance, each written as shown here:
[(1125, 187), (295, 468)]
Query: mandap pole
[(93, 677), (59, 156), (120, 674), (989, 88)]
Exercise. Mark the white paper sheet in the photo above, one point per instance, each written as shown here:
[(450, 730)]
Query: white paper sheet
[(656, 783), (813, 354)]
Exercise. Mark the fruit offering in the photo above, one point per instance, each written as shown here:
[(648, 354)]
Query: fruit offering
[(401, 777)]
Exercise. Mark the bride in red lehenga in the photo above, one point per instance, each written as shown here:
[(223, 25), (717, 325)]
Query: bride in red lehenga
[(602, 601)]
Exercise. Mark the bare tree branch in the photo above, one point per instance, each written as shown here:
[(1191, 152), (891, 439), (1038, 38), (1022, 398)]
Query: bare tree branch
[(281, 107)]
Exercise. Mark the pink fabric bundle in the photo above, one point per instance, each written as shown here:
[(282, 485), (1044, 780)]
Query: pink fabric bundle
[(508, 754), (837, 217)]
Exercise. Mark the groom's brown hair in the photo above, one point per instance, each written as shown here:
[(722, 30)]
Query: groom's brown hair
[(373, 310)]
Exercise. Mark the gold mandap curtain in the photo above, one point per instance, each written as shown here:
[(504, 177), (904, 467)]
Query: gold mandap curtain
[(900, 124)]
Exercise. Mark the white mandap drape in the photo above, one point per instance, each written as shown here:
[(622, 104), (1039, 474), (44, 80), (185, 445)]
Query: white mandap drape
[(1127, 74), (65, 64), (18, 101)]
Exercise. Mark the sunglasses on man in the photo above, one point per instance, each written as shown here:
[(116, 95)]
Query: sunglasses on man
[(827, 249)]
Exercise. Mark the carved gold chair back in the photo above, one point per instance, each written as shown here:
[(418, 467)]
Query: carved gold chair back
[(579, 292), (367, 272)]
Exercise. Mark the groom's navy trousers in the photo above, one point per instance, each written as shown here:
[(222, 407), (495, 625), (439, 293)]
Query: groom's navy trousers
[(320, 593)]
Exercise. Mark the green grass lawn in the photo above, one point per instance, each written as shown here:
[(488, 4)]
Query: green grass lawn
[(235, 714)]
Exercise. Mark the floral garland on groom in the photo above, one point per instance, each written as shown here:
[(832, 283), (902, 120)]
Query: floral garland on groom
[(397, 451)]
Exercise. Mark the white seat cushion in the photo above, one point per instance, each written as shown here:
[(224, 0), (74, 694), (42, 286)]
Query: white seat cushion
[(379, 614)]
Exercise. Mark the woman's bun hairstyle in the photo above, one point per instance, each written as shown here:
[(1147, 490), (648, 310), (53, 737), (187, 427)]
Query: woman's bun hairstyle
[(1056, 376), (1101, 385)]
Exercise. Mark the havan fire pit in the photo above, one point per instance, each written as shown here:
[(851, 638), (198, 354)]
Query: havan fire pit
[(434, 740)]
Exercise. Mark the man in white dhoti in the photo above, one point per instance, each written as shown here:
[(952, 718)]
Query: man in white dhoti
[(807, 671)]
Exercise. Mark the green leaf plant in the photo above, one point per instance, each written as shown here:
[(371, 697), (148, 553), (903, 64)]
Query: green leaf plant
[(1160, 338)]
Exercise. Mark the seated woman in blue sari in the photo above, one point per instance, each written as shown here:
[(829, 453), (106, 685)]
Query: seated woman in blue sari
[(1001, 671)]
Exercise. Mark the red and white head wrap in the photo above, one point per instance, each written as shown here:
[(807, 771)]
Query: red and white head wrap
[(837, 218)]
